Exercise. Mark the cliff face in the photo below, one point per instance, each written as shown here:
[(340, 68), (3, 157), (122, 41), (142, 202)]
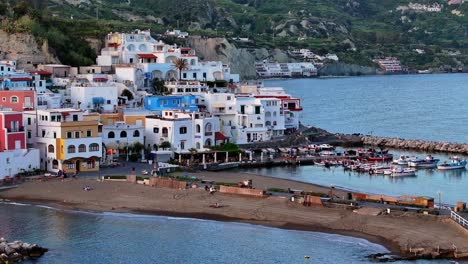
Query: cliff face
[(24, 49), (242, 60)]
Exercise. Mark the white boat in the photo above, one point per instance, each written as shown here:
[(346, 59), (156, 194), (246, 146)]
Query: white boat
[(402, 160), (428, 162), (400, 172), (455, 164), (326, 147)]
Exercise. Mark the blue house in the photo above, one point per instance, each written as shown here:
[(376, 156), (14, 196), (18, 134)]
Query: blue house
[(171, 102)]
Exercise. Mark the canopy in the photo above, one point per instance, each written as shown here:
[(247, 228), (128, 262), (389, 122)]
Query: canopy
[(220, 136)]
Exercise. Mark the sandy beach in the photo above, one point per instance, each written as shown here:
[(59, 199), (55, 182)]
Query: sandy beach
[(400, 232)]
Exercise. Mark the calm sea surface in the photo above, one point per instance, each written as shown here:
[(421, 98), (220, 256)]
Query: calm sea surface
[(431, 107), (76, 237)]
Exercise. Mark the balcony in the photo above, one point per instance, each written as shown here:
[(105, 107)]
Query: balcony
[(207, 134), (15, 129)]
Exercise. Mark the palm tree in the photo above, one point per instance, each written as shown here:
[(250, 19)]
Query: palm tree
[(180, 64)]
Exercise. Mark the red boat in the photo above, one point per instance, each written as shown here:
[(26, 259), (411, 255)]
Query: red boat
[(380, 157)]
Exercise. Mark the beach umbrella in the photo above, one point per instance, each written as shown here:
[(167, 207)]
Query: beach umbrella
[(227, 157)]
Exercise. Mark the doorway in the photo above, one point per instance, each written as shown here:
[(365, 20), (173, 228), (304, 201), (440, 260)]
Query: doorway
[(78, 164)]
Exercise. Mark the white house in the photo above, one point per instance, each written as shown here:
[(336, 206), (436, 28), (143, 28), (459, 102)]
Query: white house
[(121, 135), (66, 140), (98, 96), (184, 130)]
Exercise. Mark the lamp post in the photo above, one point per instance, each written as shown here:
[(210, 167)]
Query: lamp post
[(439, 194), (127, 149)]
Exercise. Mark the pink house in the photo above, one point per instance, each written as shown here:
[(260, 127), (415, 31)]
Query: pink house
[(12, 135), (17, 100)]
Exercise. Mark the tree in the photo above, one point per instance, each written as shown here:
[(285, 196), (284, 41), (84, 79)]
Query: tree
[(128, 94), (165, 145), (180, 64), (159, 87)]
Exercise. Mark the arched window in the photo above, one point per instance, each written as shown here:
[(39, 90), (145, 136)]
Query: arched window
[(208, 142), (198, 145), (94, 147), (71, 149), (51, 148), (267, 123), (55, 164), (274, 113), (111, 135), (82, 148), (136, 133), (165, 132), (267, 114), (208, 127), (198, 128), (274, 123), (123, 134)]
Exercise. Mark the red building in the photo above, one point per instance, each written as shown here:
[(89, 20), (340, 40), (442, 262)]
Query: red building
[(17, 100), (12, 135)]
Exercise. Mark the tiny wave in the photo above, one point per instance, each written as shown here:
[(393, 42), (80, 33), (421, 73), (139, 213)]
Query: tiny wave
[(14, 203)]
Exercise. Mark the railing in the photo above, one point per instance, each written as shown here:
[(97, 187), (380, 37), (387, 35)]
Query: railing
[(459, 219), (15, 129)]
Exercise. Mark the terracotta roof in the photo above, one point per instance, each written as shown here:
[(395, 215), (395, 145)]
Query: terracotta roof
[(41, 72), (147, 56), (100, 79), (220, 136), (21, 79)]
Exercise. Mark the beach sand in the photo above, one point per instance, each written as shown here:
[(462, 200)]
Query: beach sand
[(398, 232)]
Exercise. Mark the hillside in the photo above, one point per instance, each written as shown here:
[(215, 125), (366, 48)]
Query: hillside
[(357, 30)]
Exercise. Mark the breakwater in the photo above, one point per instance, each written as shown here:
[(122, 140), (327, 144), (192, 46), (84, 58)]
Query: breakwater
[(415, 144), (18, 251)]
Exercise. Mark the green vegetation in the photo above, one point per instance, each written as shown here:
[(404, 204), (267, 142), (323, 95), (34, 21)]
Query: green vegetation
[(356, 31), (229, 147)]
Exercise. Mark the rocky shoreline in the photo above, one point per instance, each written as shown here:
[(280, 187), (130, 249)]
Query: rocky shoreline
[(18, 251)]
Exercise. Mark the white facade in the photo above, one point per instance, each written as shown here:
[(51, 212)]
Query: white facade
[(122, 135), (285, 70), (65, 140), (184, 130), (13, 162), (155, 60), (95, 96)]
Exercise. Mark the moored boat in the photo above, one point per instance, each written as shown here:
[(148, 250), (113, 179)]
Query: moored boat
[(402, 160), (400, 172), (455, 164), (428, 162)]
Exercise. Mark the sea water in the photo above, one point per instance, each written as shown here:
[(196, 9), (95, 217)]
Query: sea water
[(80, 237)]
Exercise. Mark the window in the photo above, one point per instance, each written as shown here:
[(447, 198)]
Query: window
[(155, 130), (52, 118), (198, 128), (82, 148), (165, 132), (29, 134), (77, 134), (108, 101), (242, 109), (70, 166), (71, 149), (3, 99), (111, 135), (136, 133), (94, 147), (88, 133), (208, 127), (229, 97), (43, 133), (257, 110), (204, 75), (14, 99), (194, 75), (123, 134), (29, 121), (55, 134), (182, 145), (75, 117), (69, 134), (183, 130), (51, 148), (184, 75)]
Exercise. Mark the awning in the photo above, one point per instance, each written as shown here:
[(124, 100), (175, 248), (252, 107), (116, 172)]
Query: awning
[(100, 79), (112, 145), (220, 136), (98, 100), (21, 79), (147, 56)]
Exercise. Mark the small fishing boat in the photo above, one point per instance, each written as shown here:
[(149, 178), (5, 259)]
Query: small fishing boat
[(428, 162), (380, 157), (400, 172), (327, 153), (455, 164), (402, 160), (378, 169)]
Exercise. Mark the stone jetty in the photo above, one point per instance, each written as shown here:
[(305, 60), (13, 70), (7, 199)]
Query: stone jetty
[(415, 144), (17, 251)]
